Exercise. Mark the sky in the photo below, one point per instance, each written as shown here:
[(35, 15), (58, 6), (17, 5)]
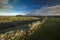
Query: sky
[(29, 7)]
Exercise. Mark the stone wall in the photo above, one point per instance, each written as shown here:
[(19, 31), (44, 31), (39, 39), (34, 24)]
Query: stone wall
[(21, 34)]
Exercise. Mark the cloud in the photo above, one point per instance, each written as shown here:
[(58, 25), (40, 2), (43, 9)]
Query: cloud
[(8, 14), (11, 13), (4, 2), (15, 1), (8, 7), (22, 7), (5, 6), (1, 7), (52, 10)]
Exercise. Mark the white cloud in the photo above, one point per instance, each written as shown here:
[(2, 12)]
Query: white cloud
[(53, 10), (8, 6), (15, 1), (11, 13), (4, 1), (5, 6)]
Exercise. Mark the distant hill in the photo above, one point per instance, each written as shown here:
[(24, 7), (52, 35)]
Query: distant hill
[(20, 15)]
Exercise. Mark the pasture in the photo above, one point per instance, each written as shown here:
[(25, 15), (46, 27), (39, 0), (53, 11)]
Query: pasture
[(50, 30)]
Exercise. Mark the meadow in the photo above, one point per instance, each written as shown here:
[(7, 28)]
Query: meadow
[(14, 21), (50, 30)]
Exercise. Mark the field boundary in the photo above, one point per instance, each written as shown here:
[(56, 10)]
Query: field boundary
[(22, 34)]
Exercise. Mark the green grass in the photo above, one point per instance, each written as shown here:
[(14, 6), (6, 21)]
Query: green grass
[(14, 28), (50, 30)]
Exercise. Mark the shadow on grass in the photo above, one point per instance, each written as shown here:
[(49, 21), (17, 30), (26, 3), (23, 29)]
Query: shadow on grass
[(14, 24)]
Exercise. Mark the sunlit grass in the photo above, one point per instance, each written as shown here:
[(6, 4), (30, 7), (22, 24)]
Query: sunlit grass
[(10, 19)]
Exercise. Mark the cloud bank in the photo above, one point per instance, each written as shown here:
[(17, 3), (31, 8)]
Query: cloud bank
[(46, 11)]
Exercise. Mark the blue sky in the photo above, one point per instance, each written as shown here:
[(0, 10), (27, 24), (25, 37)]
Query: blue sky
[(15, 7)]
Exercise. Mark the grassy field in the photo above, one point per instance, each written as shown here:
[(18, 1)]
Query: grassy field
[(50, 30), (14, 28), (14, 18), (8, 23), (13, 21)]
